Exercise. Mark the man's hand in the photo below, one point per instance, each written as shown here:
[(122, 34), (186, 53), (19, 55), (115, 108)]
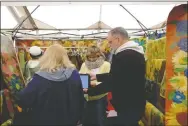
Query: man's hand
[(85, 90), (93, 76), (93, 84)]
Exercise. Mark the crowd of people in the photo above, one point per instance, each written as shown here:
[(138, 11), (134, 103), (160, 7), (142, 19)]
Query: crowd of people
[(54, 94)]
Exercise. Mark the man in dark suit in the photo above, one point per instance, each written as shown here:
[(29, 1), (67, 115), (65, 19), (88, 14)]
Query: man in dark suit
[(126, 80)]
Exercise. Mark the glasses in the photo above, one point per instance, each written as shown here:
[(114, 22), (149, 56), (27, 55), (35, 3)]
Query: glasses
[(113, 39)]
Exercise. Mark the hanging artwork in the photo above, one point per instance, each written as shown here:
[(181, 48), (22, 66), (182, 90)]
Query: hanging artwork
[(141, 41), (155, 54), (65, 43), (76, 54), (163, 86), (176, 67), (155, 69), (10, 66), (156, 49)]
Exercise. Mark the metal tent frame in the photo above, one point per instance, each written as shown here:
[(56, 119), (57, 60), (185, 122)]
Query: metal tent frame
[(27, 25)]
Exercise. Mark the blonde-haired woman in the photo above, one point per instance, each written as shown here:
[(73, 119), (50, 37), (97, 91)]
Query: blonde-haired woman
[(95, 112), (55, 93)]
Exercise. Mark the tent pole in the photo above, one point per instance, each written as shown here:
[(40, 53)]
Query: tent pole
[(136, 19), (16, 30)]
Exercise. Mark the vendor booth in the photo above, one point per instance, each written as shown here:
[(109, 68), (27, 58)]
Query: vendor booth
[(162, 33)]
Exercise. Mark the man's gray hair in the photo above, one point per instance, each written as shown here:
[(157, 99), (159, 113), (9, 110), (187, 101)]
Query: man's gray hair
[(120, 31)]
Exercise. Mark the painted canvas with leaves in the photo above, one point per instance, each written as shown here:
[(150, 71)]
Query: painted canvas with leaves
[(176, 67), (10, 66)]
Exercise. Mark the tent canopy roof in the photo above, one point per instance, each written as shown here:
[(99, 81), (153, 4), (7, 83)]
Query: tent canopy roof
[(82, 16), (90, 16), (99, 25)]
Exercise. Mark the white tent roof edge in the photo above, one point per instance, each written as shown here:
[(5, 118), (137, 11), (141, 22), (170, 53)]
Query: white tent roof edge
[(86, 2)]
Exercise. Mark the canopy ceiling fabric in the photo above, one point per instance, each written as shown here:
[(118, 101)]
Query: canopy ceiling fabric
[(82, 16), (39, 24), (7, 20), (88, 16), (160, 25), (99, 25)]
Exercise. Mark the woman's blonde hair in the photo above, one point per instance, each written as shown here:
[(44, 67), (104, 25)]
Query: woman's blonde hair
[(55, 57), (94, 50)]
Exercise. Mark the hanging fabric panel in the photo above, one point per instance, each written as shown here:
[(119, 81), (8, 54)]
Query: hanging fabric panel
[(10, 66), (141, 41), (76, 54), (176, 67), (155, 69), (21, 56)]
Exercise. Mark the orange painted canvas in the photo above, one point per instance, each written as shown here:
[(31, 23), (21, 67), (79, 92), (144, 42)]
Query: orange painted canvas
[(10, 66), (176, 67)]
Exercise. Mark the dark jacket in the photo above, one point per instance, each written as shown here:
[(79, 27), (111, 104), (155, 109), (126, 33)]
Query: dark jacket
[(55, 98), (126, 81)]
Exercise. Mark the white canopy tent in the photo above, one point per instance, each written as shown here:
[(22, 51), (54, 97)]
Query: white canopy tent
[(76, 19)]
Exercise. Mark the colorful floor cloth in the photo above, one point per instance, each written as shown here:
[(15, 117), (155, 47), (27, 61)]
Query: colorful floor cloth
[(176, 67)]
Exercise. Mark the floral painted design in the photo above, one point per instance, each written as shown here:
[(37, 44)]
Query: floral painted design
[(10, 67), (179, 83), (180, 58), (9, 103), (173, 45), (12, 76), (176, 103), (180, 61), (15, 82), (182, 44), (186, 73), (177, 115), (178, 97), (181, 27), (141, 41)]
